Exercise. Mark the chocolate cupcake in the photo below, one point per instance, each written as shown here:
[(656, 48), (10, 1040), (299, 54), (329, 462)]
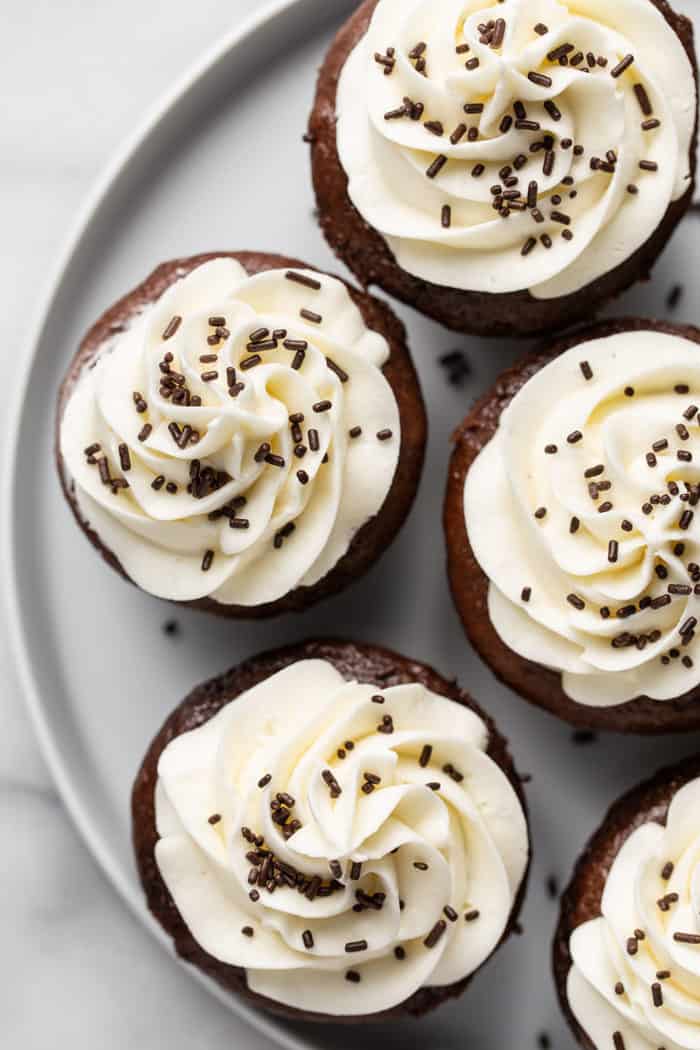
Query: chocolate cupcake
[(333, 831), (627, 950), (242, 433), (572, 528), (508, 170)]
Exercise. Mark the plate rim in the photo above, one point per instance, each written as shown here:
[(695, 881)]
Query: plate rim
[(122, 156)]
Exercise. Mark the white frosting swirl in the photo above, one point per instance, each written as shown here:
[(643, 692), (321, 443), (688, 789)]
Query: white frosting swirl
[(270, 509), (647, 990), (577, 104), (463, 845), (612, 569)]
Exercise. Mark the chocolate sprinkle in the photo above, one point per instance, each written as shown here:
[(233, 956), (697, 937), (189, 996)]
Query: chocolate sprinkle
[(356, 946), (172, 327), (620, 68), (437, 166), (527, 247), (541, 79), (435, 934), (643, 99), (301, 278)]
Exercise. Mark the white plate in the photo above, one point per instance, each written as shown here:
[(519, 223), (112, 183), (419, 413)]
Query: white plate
[(221, 164)]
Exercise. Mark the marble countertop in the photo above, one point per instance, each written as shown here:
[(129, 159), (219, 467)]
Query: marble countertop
[(75, 79), (79, 77)]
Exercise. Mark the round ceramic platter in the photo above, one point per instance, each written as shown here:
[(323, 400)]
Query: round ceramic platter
[(221, 165)]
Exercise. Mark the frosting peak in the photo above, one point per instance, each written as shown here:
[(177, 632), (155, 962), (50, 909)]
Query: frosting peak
[(345, 847), (582, 512), (636, 972), (234, 439), (528, 144)]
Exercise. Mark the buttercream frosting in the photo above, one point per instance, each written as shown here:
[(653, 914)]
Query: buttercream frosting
[(394, 846), (635, 979), (235, 437), (582, 513)]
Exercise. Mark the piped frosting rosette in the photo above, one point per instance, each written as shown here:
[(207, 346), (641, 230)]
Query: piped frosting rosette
[(346, 847), (582, 512), (635, 982), (528, 144), (233, 440)]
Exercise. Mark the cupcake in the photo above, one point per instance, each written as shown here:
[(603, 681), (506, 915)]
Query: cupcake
[(505, 168), (627, 950), (334, 832), (572, 528), (242, 433)]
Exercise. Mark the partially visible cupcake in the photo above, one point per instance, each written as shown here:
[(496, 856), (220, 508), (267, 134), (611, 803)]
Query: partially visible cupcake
[(572, 527), (627, 950), (242, 433), (333, 831), (505, 167)]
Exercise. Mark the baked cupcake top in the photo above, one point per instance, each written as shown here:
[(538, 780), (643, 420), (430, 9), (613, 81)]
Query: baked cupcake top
[(231, 442), (345, 847), (528, 144), (635, 979), (581, 511)]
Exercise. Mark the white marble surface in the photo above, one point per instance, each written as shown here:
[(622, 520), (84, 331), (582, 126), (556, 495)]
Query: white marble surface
[(75, 78), (80, 972)]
